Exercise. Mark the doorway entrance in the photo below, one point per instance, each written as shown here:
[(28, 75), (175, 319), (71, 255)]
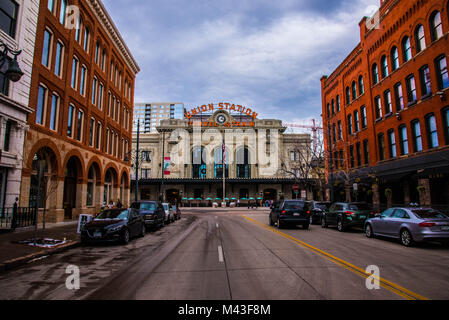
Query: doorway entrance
[(70, 180)]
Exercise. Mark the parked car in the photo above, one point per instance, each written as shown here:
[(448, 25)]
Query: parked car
[(114, 225), (290, 212), (177, 212), (317, 210), (153, 212), (169, 214), (347, 215), (410, 225)]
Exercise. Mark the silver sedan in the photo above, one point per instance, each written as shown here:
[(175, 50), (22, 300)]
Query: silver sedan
[(410, 225)]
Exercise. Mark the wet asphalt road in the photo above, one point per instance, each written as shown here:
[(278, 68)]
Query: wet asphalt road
[(236, 255)]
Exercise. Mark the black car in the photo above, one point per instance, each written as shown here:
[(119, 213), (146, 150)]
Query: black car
[(114, 225), (290, 212), (153, 212), (317, 210), (347, 215)]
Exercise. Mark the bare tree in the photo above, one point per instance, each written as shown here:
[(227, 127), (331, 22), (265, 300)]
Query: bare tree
[(50, 184)]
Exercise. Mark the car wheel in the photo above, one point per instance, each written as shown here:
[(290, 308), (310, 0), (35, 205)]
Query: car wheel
[(340, 226), (125, 236), (324, 223), (280, 225), (406, 238), (144, 230), (369, 231), (305, 226)]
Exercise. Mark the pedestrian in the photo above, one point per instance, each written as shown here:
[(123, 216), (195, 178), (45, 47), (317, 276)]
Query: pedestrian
[(110, 204), (119, 204)]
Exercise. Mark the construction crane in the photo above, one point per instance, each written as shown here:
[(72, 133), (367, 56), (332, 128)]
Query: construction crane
[(313, 127)]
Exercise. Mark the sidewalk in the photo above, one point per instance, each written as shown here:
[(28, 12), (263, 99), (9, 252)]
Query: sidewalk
[(13, 254)]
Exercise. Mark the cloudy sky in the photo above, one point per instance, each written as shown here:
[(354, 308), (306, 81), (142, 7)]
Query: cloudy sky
[(265, 54)]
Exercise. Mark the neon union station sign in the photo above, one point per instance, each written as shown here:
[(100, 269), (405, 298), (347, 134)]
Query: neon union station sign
[(221, 120)]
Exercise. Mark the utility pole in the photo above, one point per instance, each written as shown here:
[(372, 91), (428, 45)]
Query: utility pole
[(331, 167), (137, 162), (163, 165), (223, 160)]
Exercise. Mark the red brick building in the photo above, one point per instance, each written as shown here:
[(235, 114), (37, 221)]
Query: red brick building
[(386, 109), (82, 93)]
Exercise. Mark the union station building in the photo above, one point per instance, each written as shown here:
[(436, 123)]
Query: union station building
[(259, 157)]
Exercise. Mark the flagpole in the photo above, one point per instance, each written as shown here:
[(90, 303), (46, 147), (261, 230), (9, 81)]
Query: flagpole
[(223, 155)]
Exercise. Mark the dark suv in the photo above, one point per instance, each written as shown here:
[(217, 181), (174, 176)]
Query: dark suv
[(317, 210), (346, 215), (152, 212), (290, 212)]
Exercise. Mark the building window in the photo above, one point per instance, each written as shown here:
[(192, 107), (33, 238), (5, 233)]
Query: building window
[(8, 17), (417, 138), (340, 131), (348, 96), (79, 128), (361, 86), (420, 38), (62, 13), (403, 140), (334, 132), (70, 121), (446, 124), (351, 154), (359, 154), (91, 131), (426, 87), (432, 133), (364, 119), (328, 110), (98, 136), (51, 5), (392, 144), (350, 124), (365, 152), (406, 49), (356, 121), (375, 74), (399, 97), (442, 74), (436, 26), (384, 63), (333, 107), (243, 163), (388, 103), (103, 59), (100, 96), (381, 143), (378, 107), (46, 49), (79, 24), (394, 58), (97, 52), (86, 39), (338, 104), (54, 112), (7, 138), (94, 91), (342, 160), (354, 90), (83, 80), (59, 58), (74, 73), (411, 89), (41, 102)]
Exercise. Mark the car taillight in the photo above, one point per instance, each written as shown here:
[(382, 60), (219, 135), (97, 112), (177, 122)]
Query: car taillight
[(283, 211), (426, 224), (308, 213), (349, 212)]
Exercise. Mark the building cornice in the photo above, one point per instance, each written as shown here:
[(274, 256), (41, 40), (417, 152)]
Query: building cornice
[(108, 25), (6, 100)]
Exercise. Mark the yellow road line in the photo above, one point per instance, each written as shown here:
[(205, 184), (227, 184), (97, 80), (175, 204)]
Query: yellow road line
[(393, 287)]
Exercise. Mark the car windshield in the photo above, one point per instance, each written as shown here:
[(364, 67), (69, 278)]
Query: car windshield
[(294, 205), (148, 206), (323, 206), (113, 215), (359, 206), (429, 214)]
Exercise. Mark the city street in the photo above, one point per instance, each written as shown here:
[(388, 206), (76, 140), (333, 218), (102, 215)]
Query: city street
[(214, 254)]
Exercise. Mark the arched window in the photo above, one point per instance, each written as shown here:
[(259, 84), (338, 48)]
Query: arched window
[(333, 106), (436, 26), (218, 159), (338, 103), (375, 74), (328, 110), (243, 163), (384, 63), (420, 38), (199, 169), (406, 49), (348, 96), (90, 186), (394, 58), (354, 90), (361, 86)]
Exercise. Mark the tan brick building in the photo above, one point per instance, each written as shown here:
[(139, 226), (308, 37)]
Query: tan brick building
[(82, 91)]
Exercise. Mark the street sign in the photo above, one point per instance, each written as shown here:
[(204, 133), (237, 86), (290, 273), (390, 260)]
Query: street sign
[(84, 218), (303, 194)]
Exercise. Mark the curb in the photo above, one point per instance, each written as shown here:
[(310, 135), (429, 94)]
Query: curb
[(14, 263)]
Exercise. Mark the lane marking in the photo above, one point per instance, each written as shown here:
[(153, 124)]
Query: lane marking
[(220, 254), (391, 286)]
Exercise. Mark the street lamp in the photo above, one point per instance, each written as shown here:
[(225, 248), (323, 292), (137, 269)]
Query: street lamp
[(13, 72)]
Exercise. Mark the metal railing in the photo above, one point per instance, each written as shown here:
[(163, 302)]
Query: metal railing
[(17, 217)]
